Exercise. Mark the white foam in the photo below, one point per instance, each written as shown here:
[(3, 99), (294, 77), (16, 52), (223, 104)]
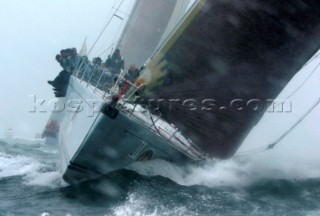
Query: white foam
[(134, 206), (48, 179), (32, 171), (225, 173), (16, 165), (137, 205), (233, 172), (313, 213), (159, 168)]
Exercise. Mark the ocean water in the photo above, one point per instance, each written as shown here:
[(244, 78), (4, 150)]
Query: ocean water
[(31, 184)]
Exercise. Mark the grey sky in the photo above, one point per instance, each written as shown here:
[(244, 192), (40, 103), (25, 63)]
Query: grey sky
[(32, 33)]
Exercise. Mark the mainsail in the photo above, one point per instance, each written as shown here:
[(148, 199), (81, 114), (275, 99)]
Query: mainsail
[(222, 56), (144, 29)]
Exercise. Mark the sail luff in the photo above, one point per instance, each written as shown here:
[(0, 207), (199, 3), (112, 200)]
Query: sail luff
[(144, 30), (178, 13), (129, 25)]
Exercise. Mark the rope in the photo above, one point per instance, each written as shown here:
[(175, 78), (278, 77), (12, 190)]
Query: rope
[(272, 145)]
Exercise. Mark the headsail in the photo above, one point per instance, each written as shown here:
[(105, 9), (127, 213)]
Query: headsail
[(223, 55), (84, 50)]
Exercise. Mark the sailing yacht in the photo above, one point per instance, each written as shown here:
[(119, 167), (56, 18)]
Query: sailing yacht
[(208, 66)]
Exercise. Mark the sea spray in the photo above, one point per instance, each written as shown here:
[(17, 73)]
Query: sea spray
[(236, 172)]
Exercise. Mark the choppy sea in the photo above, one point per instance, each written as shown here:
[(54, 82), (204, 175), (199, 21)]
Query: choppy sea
[(31, 184)]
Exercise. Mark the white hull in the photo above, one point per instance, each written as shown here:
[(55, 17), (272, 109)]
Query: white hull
[(108, 140)]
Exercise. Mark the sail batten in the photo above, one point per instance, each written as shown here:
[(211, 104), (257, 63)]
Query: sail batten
[(225, 54)]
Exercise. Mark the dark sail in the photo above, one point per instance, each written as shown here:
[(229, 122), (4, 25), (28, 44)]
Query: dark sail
[(224, 55)]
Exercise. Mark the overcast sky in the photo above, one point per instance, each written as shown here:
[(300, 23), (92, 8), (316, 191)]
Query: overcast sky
[(34, 31), (302, 145)]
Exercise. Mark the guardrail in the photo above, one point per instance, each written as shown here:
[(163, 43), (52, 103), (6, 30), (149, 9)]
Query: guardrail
[(155, 124)]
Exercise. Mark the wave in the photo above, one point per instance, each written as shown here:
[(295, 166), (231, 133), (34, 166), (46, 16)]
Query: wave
[(161, 196), (38, 165), (35, 165), (20, 140), (234, 172)]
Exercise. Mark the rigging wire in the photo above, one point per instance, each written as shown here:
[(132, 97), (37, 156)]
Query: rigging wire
[(272, 145), (114, 14), (108, 22), (111, 46), (116, 40), (302, 84)]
